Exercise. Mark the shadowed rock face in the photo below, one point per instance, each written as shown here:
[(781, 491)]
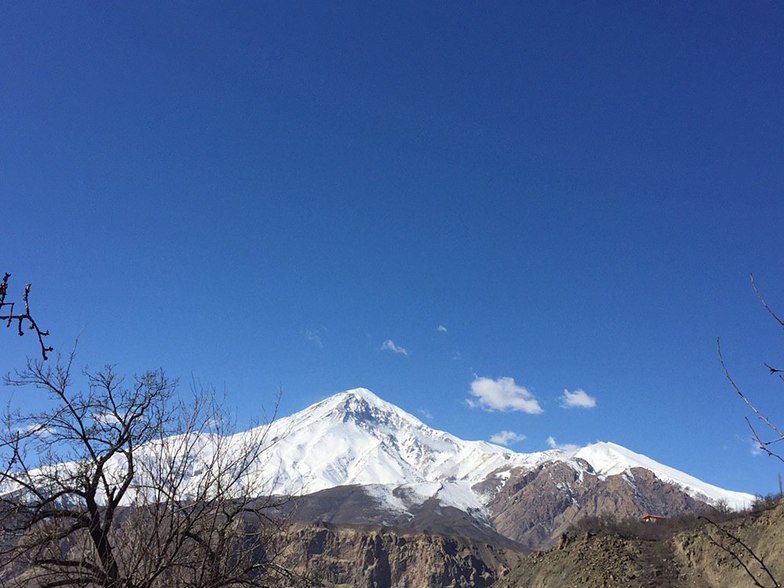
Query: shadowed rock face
[(352, 505), (530, 511)]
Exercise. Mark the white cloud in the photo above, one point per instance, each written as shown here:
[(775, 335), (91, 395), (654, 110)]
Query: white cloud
[(314, 336), (755, 448), (577, 399), (502, 394), (441, 329), (426, 413), (390, 345), (567, 447), (33, 430), (105, 418), (506, 437)]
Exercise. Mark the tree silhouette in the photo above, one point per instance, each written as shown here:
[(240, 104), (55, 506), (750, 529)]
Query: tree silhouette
[(122, 484), (21, 318)]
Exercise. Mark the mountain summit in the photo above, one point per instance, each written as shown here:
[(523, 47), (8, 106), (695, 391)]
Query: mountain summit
[(360, 405)]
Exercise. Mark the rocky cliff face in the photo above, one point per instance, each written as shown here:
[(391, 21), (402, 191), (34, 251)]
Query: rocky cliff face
[(340, 556)]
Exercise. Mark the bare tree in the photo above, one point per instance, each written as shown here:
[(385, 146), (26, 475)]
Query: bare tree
[(122, 485), (774, 433), (728, 542), (21, 318)]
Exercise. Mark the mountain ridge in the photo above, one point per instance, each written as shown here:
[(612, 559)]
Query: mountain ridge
[(354, 458), (356, 437)]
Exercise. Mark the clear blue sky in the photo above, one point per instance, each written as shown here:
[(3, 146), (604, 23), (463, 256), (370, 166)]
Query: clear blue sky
[(259, 195)]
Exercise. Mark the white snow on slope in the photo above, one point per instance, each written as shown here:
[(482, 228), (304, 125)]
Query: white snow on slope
[(355, 437)]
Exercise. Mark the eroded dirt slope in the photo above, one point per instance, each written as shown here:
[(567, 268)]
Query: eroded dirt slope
[(702, 557)]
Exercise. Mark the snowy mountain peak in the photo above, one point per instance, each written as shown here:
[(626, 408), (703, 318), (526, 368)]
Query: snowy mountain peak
[(365, 409), (357, 395), (355, 437), (362, 404)]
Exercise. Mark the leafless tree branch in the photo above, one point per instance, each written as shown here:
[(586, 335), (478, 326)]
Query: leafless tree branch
[(763, 444), (744, 552), (778, 319), (21, 317)]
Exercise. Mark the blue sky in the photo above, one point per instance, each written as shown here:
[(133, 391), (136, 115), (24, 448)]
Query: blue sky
[(258, 196)]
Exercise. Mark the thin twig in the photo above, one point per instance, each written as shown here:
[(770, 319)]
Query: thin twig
[(763, 445), (765, 304), (745, 547), (737, 389)]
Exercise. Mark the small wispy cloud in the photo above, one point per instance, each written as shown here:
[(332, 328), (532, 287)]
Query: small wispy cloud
[(441, 329), (755, 448), (314, 336), (577, 399), (105, 418), (390, 345), (425, 413), (503, 395), (507, 437), (31, 430), (567, 447)]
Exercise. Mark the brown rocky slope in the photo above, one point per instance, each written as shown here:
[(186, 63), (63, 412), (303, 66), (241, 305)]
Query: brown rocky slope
[(534, 507), (704, 556), (684, 553), (348, 556)]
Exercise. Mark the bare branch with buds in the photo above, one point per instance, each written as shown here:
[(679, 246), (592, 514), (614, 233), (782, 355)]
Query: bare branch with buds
[(22, 319)]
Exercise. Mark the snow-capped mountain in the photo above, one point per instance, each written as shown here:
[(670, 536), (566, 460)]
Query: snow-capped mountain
[(356, 438), (356, 459)]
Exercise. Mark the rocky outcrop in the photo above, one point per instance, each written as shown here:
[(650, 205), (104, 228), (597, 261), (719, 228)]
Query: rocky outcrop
[(534, 507), (632, 556), (339, 556), (705, 556), (715, 556), (590, 561)]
